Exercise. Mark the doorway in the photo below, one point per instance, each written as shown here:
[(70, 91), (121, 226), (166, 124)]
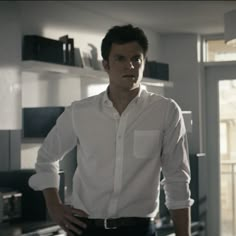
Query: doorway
[(221, 148)]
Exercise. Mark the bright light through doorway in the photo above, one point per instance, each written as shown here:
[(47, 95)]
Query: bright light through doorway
[(227, 112)]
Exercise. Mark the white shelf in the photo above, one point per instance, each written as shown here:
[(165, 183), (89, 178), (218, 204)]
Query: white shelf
[(45, 67), (42, 67)]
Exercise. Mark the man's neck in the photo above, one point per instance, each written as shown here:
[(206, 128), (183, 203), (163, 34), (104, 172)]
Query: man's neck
[(121, 98)]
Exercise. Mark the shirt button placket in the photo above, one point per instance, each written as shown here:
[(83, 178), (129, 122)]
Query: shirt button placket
[(121, 124)]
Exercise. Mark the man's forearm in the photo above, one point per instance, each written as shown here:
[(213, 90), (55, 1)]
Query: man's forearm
[(182, 221), (51, 196)]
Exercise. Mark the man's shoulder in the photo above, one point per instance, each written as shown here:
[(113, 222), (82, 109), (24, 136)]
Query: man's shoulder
[(156, 97), (87, 102), (162, 100)]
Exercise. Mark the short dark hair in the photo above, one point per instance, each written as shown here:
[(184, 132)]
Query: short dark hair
[(121, 35)]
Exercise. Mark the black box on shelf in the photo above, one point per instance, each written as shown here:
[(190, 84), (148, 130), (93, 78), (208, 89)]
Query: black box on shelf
[(38, 121), (68, 50), (156, 70), (39, 48)]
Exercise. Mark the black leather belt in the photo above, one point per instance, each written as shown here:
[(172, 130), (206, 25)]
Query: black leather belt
[(113, 223)]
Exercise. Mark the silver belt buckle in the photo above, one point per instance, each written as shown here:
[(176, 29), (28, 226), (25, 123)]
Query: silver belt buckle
[(106, 225)]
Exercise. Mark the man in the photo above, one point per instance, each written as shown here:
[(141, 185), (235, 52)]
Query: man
[(125, 136)]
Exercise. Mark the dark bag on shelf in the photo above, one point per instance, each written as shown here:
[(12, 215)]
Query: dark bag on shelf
[(156, 70), (39, 48)]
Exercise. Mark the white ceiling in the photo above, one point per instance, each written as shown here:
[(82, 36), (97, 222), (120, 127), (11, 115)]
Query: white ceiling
[(203, 17)]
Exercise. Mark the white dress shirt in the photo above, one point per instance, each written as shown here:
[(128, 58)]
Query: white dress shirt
[(119, 157)]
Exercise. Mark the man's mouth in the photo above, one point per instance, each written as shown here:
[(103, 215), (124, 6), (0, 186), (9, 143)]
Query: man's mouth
[(129, 76)]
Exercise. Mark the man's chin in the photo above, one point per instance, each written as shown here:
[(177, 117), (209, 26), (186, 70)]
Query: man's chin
[(133, 86)]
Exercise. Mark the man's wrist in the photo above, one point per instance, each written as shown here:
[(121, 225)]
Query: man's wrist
[(182, 221)]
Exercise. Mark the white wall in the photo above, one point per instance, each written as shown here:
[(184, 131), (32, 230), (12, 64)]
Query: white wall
[(55, 19), (49, 89), (180, 52), (10, 90), (10, 87)]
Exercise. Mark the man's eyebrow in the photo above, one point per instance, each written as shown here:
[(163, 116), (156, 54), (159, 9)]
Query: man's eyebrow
[(138, 55), (119, 55)]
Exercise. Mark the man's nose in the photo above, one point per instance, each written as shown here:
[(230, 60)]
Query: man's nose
[(129, 64)]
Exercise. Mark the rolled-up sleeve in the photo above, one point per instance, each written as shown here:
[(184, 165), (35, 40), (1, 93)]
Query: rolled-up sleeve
[(60, 140), (175, 160)]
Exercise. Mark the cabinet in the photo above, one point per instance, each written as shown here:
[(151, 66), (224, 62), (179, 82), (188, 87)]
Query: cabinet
[(31, 228), (10, 145)]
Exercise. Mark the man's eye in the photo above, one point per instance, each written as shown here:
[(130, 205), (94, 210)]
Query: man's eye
[(137, 60)]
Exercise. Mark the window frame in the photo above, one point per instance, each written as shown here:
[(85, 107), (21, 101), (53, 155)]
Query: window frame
[(204, 39)]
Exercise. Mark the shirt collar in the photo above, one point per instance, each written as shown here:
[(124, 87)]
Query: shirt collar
[(106, 99), (140, 96)]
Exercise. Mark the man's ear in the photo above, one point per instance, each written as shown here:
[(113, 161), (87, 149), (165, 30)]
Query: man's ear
[(105, 65)]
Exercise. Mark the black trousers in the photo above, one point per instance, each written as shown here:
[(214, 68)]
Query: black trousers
[(141, 230)]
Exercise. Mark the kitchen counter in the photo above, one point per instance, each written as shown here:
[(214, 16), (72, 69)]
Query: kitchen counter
[(30, 228)]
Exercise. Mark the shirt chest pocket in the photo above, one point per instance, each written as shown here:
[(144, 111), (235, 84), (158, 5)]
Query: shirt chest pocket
[(147, 143)]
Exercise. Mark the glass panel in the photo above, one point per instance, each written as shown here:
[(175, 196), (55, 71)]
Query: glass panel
[(217, 50), (224, 139), (227, 111), (226, 203)]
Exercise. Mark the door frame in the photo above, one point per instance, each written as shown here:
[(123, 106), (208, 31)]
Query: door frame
[(214, 72)]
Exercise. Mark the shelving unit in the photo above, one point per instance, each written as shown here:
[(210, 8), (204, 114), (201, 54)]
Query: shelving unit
[(88, 73)]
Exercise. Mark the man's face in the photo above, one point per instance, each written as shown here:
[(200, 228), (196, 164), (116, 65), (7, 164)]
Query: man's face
[(125, 65)]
